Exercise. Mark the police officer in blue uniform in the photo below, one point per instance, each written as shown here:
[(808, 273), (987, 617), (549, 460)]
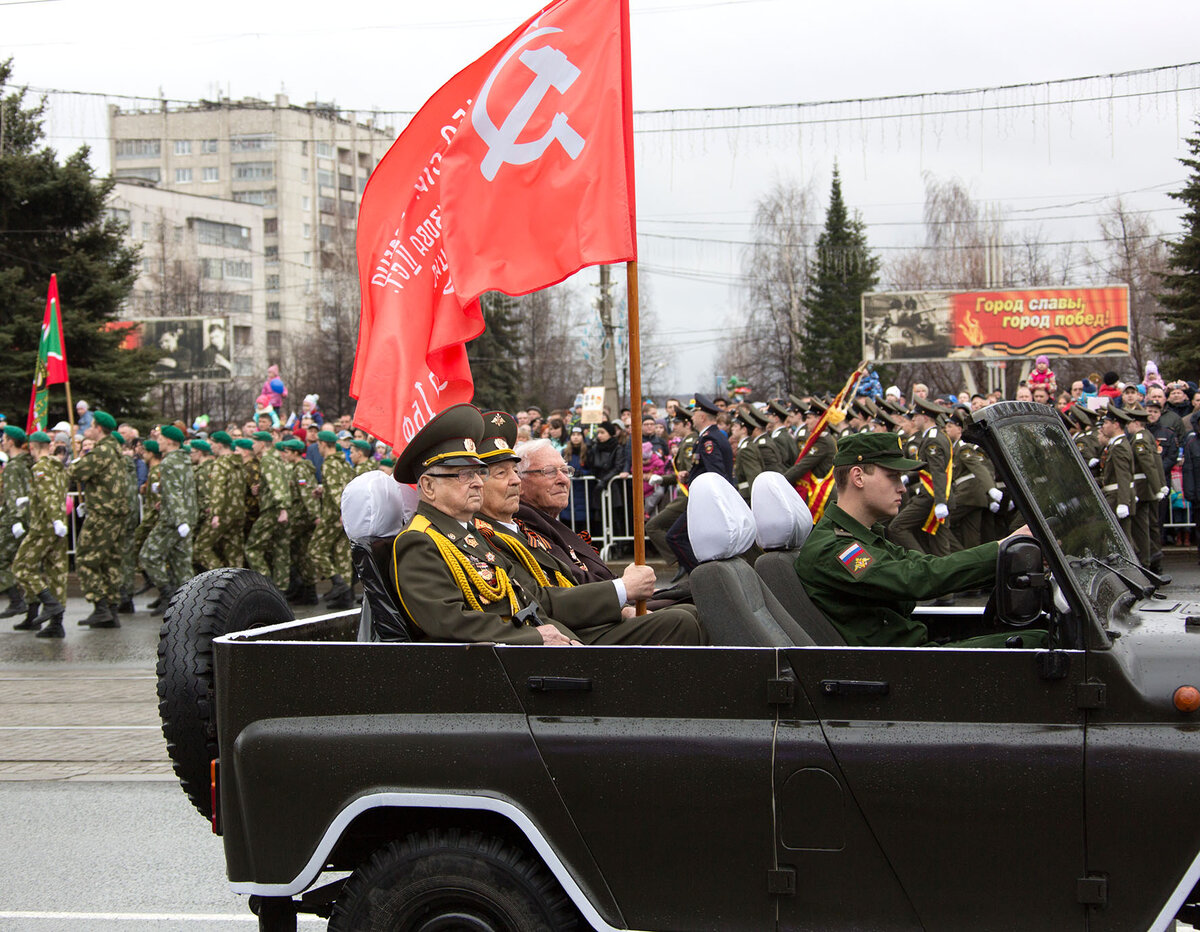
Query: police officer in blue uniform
[(712, 453)]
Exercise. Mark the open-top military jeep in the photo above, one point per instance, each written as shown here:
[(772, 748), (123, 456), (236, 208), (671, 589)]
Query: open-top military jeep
[(784, 782)]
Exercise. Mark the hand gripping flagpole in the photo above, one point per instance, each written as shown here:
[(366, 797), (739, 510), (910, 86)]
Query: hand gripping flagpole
[(635, 397)]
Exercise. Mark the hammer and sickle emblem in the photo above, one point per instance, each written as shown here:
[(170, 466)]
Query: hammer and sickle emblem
[(551, 69)]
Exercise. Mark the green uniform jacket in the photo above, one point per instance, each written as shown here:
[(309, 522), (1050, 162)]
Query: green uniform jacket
[(15, 481), (153, 495), (683, 458), (177, 491), (227, 489), (1116, 473), (203, 474), (304, 488), (432, 599), (1089, 446), (275, 484), (1148, 476), (972, 477), (868, 586), (336, 474), (785, 443), (768, 453), (48, 496), (747, 464), (104, 479), (818, 460)]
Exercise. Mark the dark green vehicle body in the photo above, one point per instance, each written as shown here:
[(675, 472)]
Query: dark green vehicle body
[(750, 788)]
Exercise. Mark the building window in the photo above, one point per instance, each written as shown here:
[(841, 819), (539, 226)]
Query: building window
[(362, 184), (178, 235), (147, 264), (274, 343), (304, 175), (304, 148), (345, 182), (271, 254), (307, 230), (183, 147), (271, 225), (327, 205), (325, 150), (272, 283), (118, 214), (272, 310), (325, 178), (239, 303), (252, 142), (253, 171), (326, 233), (305, 203), (212, 268), (140, 174), (266, 197), (147, 230), (308, 259), (347, 209), (243, 337), (211, 233), (208, 146), (139, 148), (239, 269), (365, 162), (212, 173), (183, 176)]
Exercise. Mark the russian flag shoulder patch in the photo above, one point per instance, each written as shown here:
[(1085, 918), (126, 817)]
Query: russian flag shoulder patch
[(855, 558)]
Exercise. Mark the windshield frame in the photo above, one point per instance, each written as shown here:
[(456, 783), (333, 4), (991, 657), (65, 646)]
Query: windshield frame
[(988, 428)]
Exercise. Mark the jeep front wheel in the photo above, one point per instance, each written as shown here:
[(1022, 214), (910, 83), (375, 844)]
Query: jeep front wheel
[(445, 879)]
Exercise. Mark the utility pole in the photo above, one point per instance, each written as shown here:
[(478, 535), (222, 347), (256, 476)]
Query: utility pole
[(609, 360)]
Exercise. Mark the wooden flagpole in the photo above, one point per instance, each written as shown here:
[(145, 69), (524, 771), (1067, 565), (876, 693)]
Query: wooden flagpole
[(635, 406)]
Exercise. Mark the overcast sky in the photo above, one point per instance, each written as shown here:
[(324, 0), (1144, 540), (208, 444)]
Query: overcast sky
[(1052, 164)]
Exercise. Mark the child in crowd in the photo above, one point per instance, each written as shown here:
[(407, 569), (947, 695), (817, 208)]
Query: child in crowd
[(1043, 376), (652, 465)]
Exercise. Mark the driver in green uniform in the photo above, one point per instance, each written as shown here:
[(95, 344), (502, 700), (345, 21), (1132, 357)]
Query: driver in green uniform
[(865, 584)]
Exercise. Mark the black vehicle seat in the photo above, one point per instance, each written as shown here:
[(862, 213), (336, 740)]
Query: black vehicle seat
[(783, 523), (375, 507), (735, 607)]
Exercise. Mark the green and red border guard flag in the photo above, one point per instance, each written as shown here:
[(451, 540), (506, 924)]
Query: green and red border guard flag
[(517, 173), (51, 361)]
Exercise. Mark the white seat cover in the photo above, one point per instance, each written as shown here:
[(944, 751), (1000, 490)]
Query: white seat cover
[(782, 517), (720, 525), (376, 505)]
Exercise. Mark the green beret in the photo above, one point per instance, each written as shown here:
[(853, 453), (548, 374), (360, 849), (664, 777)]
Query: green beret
[(171, 432), (451, 438), (295, 443), (387, 461), (879, 449), (280, 445), (364, 445), (105, 420), (263, 435), (326, 436), (499, 437), (221, 437), (38, 436), (201, 445), (15, 433), (151, 445), (243, 443)]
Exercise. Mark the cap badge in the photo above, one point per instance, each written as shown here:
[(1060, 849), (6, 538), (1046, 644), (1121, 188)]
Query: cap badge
[(498, 419), (500, 444), (468, 444)]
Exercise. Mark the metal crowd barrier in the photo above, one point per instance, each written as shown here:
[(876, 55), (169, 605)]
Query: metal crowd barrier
[(606, 514)]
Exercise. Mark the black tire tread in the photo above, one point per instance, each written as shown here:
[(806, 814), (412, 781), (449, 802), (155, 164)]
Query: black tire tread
[(218, 602)]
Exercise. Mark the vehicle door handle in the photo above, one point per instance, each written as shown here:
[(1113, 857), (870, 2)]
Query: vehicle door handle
[(853, 688), (559, 684)]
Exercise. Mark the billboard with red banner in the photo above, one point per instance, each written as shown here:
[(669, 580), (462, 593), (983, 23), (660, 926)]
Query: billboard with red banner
[(922, 326)]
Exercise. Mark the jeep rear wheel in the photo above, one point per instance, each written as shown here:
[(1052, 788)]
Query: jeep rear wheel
[(448, 881), (207, 606)]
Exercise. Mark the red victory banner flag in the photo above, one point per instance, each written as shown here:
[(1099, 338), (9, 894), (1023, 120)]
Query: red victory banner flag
[(51, 366), (515, 174)]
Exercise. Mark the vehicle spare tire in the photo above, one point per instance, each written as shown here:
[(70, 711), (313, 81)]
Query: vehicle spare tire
[(218, 602)]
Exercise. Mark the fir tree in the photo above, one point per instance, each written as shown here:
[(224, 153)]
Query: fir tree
[(52, 220), (493, 355), (1181, 297), (845, 269)]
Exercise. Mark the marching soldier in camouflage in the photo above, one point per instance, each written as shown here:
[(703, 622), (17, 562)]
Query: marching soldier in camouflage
[(1116, 467), (222, 541), (268, 546), (41, 562), (244, 447), (200, 452), (167, 554), (105, 509), (129, 552), (360, 457), (150, 497), (934, 451), (329, 550), (303, 518), (1149, 488), (15, 484)]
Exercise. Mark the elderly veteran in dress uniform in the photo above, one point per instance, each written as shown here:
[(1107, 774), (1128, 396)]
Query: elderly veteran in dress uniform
[(868, 586), (454, 585)]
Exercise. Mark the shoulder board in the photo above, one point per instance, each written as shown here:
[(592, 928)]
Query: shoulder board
[(841, 532), (932, 432)]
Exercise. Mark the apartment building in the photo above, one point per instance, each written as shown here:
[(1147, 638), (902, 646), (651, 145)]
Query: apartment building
[(303, 167)]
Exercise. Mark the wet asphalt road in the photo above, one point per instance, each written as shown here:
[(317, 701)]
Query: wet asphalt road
[(98, 833)]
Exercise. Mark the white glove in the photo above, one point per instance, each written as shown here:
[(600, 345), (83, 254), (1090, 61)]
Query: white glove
[(941, 512), (655, 479), (995, 495), (904, 478), (1093, 462), (81, 511), (22, 502), (994, 508), (184, 530), (60, 529), (18, 530), (1162, 493), (154, 487), (1011, 505), (1122, 511)]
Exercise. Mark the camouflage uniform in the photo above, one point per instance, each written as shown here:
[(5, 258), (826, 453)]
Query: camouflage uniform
[(203, 554), (149, 508), (106, 501), (167, 557), (268, 544), (227, 503), (304, 521), (41, 561), (129, 551), (329, 551), (365, 466), (251, 476), (15, 482)]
